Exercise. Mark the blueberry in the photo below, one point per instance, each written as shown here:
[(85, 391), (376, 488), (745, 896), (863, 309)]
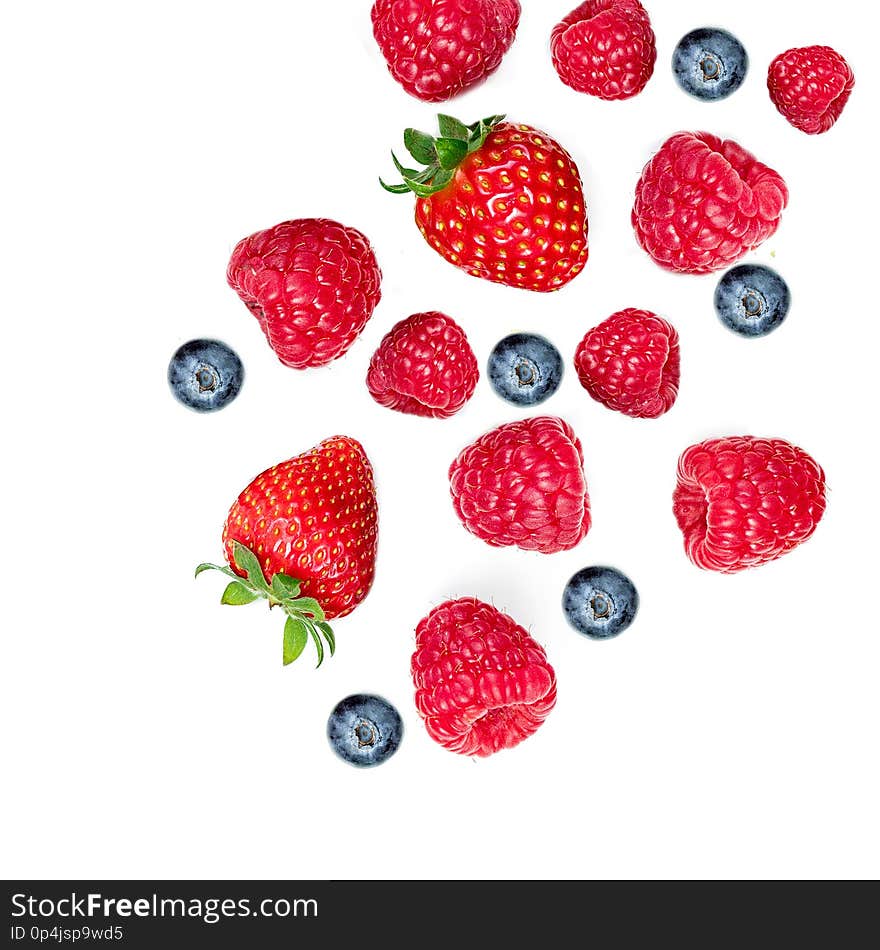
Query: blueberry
[(525, 369), (710, 64), (205, 375), (364, 730), (752, 300), (600, 602)]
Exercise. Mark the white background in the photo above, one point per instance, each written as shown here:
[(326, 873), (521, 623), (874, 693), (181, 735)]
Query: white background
[(732, 731)]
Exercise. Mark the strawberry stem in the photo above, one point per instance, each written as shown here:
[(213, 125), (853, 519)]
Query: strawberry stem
[(305, 616), (441, 156)]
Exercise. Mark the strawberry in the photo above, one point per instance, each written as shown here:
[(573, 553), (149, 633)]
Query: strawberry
[(630, 363), (424, 366), (605, 48), (311, 283), (523, 484), (436, 49), (302, 535), (810, 86), (482, 683), (742, 501), (500, 201), (702, 203)]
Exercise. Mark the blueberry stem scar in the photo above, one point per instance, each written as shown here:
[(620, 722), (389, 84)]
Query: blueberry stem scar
[(206, 379), (525, 373), (710, 66), (752, 304), (366, 734)]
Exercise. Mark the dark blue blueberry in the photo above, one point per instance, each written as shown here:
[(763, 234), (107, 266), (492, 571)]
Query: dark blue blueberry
[(752, 300), (600, 602), (710, 64), (364, 730), (205, 375), (525, 369)]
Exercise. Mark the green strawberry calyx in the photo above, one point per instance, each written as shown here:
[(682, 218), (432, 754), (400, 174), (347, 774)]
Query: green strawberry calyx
[(305, 617), (440, 156)]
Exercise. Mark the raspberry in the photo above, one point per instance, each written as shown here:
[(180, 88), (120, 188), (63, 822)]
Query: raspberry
[(482, 683), (311, 283), (424, 366), (741, 501), (630, 363), (701, 203), (810, 86), (436, 49), (523, 484), (605, 48)]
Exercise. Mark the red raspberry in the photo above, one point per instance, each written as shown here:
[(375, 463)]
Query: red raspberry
[(742, 501), (630, 363), (523, 483), (605, 48), (424, 366), (702, 203), (482, 683), (810, 87), (436, 49), (312, 284)]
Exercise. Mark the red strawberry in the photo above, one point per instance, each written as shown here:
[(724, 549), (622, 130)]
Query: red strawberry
[(742, 501), (482, 683), (436, 49), (605, 48), (810, 87), (500, 201), (630, 363), (312, 284), (702, 203), (424, 366), (523, 483), (307, 525)]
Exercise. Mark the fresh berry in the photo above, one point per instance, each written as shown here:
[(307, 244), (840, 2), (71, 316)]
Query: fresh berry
[(525, 369), (302, 535), (810, 87), (710, 64), (605, 48), (630, 363), (436, 49), (311, 283), (523, 484), (205, 375), (500, 201), (701, 203), (482, 683), (600, 602), (752, 300), (742, 501), (424, 366), (364, 730)]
